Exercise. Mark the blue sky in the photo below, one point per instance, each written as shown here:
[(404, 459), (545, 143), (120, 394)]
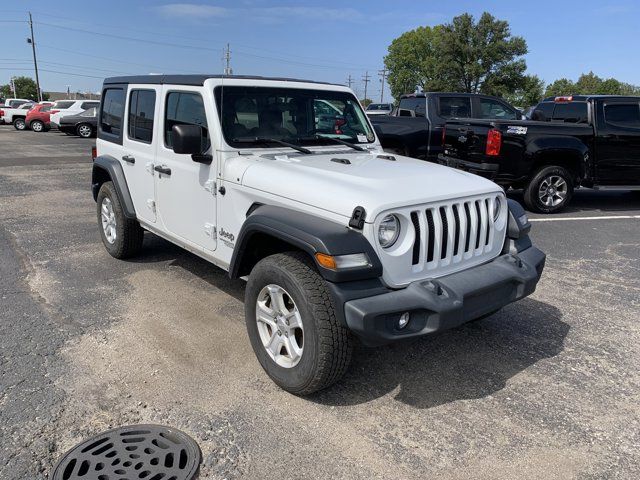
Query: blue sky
[(316, 40)]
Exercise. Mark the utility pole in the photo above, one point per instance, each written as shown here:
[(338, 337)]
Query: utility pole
[(227, 58), (383, 74), (35, 60), (349, 81), (12, 84), (366, 79)]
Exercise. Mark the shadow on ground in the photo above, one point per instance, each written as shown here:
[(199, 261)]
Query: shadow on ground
[(586, 200), (472, 361)]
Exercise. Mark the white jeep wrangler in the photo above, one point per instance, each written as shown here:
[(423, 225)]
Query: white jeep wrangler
[(285, 183)]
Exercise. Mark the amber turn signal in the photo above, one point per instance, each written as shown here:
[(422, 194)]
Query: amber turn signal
[(327, 261)]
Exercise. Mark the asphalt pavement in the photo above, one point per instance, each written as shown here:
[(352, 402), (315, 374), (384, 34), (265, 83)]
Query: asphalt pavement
[(546, 388)]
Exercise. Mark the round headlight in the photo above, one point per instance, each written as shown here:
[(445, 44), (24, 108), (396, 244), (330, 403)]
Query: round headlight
[(388, 231), (496, 208)]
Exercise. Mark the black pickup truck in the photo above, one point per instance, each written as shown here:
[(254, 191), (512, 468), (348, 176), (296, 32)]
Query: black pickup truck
[(414, 129), (550, 159)]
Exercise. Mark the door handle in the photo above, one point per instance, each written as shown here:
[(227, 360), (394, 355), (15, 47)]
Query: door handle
[(162, 169), (129, 159)]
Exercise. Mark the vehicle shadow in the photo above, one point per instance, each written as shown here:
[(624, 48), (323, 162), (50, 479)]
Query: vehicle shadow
[(158, 250), (586, 200), (472, 361)]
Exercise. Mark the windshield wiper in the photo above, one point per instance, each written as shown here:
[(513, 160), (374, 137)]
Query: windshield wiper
[(336, 140), (256, 140)]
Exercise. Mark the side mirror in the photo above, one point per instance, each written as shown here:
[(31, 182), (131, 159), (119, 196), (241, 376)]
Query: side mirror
[(187, 139)]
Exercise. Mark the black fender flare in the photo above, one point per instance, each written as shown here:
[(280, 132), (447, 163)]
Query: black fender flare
[(309, 234), (106, 165), (571, 148)]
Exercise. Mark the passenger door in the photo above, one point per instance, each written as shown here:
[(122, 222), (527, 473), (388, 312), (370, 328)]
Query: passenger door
[(618, 142), (186, 189), (139, 147)]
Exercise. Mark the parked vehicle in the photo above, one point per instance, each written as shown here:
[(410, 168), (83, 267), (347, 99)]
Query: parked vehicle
[(16, 116), (84, 124), (335, 238), (71, 107), (550, 159), (37, 118), (415, 128), (15, 102), (379, 109)]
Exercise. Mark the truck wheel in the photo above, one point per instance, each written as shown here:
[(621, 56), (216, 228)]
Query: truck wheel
[(84, 130), (122, 237), (550, 190), (292, 324), (37, 126), (19, 124)]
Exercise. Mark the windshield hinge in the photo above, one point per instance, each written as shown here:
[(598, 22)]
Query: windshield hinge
[(210, 230)]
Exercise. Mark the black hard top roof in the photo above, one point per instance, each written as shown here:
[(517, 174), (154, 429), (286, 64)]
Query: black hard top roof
[(196, 80), (456, 94), (584, 98)]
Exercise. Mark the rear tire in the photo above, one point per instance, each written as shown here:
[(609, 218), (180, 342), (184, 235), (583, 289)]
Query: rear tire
[(323, 346), (19, 124), (84, 130), (549, 190), (37, 126), (121, 236)]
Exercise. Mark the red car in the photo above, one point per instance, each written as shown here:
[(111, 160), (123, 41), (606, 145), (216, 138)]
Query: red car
[(38, 117)]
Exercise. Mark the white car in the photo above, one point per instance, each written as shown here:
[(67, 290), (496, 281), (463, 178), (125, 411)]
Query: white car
[(16, 115), (379, 109), (335, 238), (70, 107)]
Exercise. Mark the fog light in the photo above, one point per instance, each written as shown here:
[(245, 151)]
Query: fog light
[(404, 320)]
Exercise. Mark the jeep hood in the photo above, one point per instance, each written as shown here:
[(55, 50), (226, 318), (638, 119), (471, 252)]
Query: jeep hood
[(340, 181)]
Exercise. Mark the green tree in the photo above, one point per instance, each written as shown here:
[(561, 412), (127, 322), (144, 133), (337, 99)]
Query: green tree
[(464, 55), (562, 86), (25, 88), (483, 57), (528, 92), (414, 62), (365, 102)]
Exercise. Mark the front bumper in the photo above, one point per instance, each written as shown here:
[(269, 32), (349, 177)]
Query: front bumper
[(445, 302)]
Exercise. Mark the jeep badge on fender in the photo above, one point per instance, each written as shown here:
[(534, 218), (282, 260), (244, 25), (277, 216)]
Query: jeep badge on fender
[(375, 247)]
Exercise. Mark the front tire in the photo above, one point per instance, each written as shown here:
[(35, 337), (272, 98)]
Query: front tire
[(84, 130), (37, 126), (549, 190), (19, 124), (292, 324), (121, 236)]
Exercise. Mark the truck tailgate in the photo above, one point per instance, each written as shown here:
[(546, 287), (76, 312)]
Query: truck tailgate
[(467, 139)]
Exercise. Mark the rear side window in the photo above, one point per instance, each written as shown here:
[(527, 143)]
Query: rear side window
[(112, 112), (185, 108), (623, 115), (63, 105), (88, 105), (142, 106), (454, 107), (574, 112), (493, 109), (543, 112), (413, 107)]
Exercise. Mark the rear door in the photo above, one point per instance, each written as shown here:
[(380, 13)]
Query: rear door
[(618, 142), (139, 144)]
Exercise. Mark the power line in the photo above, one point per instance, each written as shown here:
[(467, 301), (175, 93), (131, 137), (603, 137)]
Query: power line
[(156, 67)]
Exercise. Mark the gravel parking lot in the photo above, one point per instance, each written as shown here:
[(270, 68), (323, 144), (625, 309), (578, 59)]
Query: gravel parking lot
[(546, 388)]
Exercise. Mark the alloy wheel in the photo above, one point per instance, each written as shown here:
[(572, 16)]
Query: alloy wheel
[(553, 191), (84, 131), (280, 326), (108, 218)]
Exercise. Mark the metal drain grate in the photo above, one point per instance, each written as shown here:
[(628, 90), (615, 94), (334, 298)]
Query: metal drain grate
[(149, 452)]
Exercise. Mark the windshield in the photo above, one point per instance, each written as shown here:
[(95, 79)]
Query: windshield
[(293, 115)]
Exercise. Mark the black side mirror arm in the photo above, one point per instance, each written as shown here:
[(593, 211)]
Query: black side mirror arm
[(202, 158)]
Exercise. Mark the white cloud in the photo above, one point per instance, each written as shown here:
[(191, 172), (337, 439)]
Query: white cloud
[(268, 14), (192, 10)]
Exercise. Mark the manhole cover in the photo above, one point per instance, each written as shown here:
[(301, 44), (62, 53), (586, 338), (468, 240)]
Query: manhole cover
[(149, 452)]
